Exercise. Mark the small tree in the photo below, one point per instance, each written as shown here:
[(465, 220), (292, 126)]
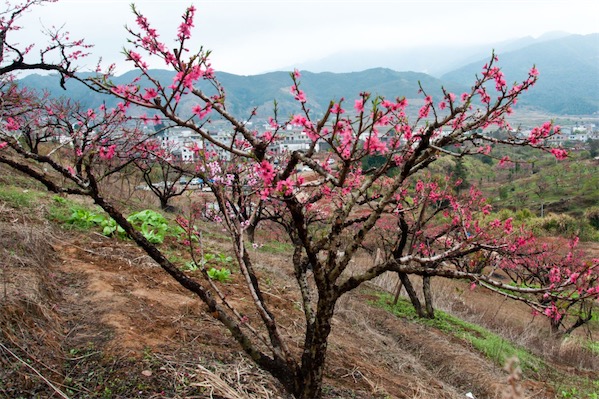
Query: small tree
[(162, 174), (428, 230), (544, 266)]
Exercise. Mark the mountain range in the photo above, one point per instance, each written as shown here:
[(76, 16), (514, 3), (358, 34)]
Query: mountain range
[(568, 74), (568, 82)]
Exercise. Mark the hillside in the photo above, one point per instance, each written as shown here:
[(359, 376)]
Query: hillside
[(244, 93), (92, 317)]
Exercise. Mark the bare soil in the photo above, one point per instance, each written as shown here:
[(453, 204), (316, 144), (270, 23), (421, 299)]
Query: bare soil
[(84, 316)]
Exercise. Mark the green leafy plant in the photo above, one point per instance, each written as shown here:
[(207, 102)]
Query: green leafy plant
[(109, 227), (190, 266), (85, 218), (223, 274), (207, 258), (152, 225), (224, 258)]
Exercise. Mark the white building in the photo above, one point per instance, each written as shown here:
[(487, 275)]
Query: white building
[(179, 141)]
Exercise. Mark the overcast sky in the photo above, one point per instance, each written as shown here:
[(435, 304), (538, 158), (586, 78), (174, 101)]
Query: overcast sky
[(250, 37)]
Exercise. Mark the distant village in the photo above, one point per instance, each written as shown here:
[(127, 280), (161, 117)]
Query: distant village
[(575, 135), (180, 141)]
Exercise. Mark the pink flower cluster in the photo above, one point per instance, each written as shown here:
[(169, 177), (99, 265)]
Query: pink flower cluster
[(425, 109), (107, 153), (373, 144), (266, 171), (539, 133), (187, 24), (299, 94), (395, 106), (12, 124), (202, 112), (559, 153)]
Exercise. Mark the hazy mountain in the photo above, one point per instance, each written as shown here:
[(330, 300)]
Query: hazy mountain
[(569, 73), (568, 84), (433, 60)]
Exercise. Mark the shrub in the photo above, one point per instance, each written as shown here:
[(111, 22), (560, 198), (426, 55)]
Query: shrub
[(564, 225), (523, 214), (592, 216)]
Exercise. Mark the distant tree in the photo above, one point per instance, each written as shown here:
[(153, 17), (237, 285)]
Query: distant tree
[(373, 161), (460, 175), (541, 188), (162, 173), (593, 147), (487, 160), (424, 228), (570, 309)]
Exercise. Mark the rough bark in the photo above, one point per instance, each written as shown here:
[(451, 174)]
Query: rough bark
[(428, 297), (309, 385)]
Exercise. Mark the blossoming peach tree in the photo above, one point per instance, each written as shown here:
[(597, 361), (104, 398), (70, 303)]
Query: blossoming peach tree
[(419, 222)]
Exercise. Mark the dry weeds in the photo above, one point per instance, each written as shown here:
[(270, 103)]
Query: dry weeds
[(29, 323)]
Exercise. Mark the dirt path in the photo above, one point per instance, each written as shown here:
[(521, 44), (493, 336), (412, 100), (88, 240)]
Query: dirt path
[(137, 303)]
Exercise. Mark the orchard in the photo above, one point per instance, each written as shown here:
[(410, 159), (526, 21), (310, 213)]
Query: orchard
[(421, 225)]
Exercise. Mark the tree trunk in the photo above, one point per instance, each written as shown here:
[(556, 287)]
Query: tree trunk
[(405, 280), (555, 324), (250, 233), (163, 202), (309, 385), (397, 292), (428, 297)]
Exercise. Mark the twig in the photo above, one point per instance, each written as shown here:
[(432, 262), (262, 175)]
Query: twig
[(82, 356), (58, 391)]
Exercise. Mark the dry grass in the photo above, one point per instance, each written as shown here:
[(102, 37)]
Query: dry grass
[(238, 379), (512, 321), (29, 323), (514, 388), (424, 360), (25, 287)]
